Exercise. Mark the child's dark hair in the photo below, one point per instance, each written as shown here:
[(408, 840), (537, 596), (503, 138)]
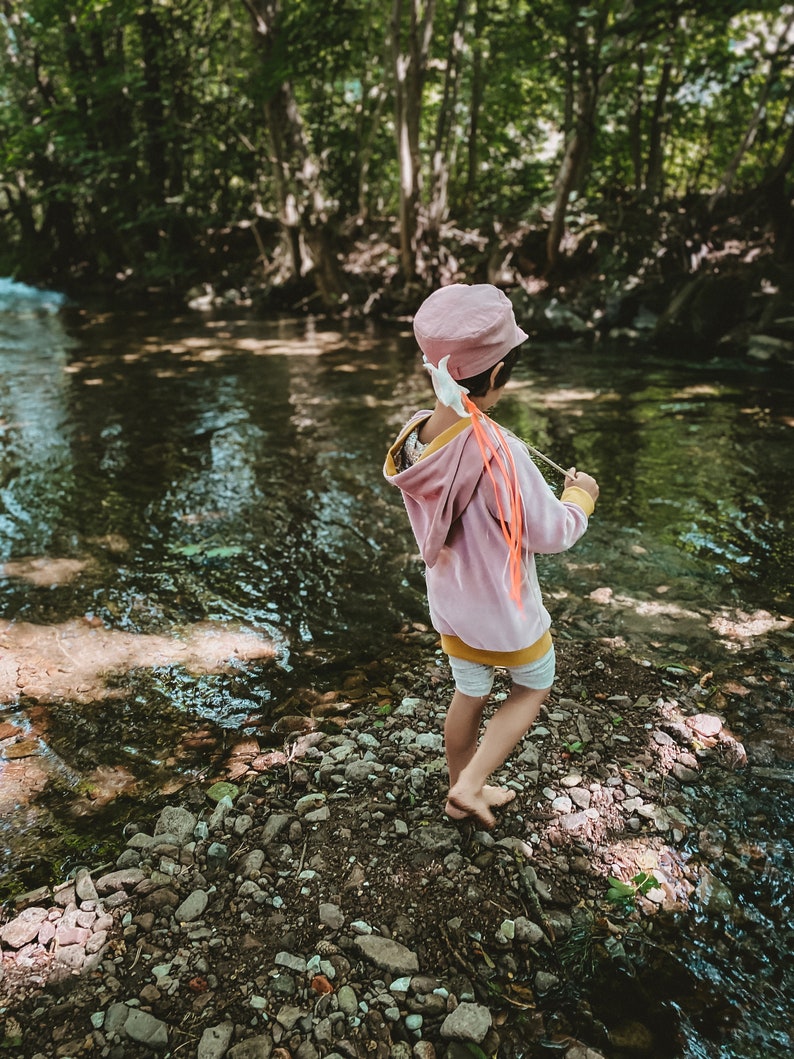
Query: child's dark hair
[(479, 385)]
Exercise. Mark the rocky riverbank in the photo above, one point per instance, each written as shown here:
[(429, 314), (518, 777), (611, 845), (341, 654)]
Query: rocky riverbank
[(322, 905)]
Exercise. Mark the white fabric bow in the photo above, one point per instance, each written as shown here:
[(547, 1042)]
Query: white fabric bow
[(447, 390)]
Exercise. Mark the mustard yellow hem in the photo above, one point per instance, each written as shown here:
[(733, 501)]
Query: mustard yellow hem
[(575, 495), (454, 646)]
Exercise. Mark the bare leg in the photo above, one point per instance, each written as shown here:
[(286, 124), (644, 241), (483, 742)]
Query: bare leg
[(461, 734), (468, 793)]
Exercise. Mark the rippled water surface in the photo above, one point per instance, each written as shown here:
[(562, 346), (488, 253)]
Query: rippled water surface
[(178, 492)]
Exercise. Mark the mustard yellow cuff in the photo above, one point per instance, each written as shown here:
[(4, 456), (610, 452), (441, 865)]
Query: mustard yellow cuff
[(582, 499)]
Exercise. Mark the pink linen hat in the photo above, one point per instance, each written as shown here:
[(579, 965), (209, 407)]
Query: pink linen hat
[(473, 325)]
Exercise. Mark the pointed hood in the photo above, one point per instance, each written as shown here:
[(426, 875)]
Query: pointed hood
[(438, 487)]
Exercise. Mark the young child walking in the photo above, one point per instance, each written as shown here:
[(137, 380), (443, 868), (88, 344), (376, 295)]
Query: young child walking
[(481, 510)]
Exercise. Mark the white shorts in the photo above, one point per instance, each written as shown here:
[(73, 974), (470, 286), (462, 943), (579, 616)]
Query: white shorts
[(476, 680)]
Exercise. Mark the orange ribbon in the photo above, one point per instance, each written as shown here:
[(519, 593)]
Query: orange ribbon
[(512, 527)]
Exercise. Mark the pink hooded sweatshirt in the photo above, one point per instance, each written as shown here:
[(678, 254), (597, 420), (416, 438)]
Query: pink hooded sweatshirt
[(451, 503)]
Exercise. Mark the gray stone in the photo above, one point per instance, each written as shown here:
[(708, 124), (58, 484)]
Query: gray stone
[(84, 886), (219, 813), (130, 858), (347, 1000), (192, 907), (544, 981), (177, 821), (442, 840), (125, 879), (288, 1015), (386, 954), (254, 1048), (115, 1017), (146, 1029), (527, 931), (331, 915), (468, 1022), (251, 864), (242, 824), (309, 802), (71, 956), (274, 825), (215, 1041), (217, 854), (292, 963), (362, 771)]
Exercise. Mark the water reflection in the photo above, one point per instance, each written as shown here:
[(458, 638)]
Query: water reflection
[(168, 479)]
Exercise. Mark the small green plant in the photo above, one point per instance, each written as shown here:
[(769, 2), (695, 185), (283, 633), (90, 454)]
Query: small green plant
[(575, 747), (617, 720), (624, 893)]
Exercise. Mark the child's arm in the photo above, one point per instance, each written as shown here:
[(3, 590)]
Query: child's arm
[(552, 525)]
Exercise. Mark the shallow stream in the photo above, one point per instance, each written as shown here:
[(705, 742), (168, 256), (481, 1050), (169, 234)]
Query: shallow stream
[(177, 492)]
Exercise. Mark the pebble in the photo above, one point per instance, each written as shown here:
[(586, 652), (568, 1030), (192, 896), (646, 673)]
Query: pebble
[(192, 907), (364, 976), (468, 1022)]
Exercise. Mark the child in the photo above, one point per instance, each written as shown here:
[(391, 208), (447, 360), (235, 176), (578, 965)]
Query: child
[(480, 510)]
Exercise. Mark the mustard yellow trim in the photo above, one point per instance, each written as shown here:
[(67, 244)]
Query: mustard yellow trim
[(454, 646), (443, 438), (575, 495), (446, 436)]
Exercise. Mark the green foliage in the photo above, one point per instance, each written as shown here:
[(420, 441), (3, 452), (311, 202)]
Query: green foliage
[(625, 893), (129, 128)]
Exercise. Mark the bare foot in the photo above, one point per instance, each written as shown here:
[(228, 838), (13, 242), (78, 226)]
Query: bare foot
[(462, 804)]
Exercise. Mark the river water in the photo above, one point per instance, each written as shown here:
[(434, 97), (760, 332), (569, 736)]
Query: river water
[(209, 486)]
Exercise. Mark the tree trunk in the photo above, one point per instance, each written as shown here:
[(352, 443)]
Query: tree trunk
[(654, 177), (475, 106), (437, 205), (410, 66), (635, 125), (302, 202), (593, 77)]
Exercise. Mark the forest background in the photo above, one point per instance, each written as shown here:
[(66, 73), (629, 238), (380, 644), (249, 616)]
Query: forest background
[(347, 155)]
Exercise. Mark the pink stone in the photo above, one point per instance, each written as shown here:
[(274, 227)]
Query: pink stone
[(705, 724), (24, 927)]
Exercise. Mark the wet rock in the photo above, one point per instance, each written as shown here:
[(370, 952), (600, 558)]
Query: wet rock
[(714, 895), (632, 1037)]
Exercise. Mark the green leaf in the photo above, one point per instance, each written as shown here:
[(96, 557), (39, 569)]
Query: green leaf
[(623, 888), (222, 789), (475, 1050)]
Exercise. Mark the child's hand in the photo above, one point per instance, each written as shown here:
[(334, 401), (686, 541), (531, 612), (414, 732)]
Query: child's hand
[(582, 481)]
